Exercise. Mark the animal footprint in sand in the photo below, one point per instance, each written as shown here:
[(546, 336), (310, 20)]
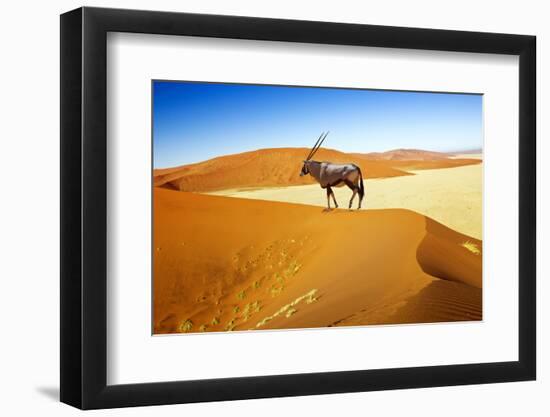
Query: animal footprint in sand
[(275, 291)]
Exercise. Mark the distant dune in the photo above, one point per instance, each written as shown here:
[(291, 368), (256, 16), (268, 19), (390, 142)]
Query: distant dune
[(405, 155), (475, 151), (234, 264), (281, 167)]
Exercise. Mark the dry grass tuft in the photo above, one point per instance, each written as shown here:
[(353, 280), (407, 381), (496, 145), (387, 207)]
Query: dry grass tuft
[(288, 310), (230, 325), (186, 326), (472, 247)]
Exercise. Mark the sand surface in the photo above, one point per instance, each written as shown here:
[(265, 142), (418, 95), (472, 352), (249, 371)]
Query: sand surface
[(223, 264), (452, 196)]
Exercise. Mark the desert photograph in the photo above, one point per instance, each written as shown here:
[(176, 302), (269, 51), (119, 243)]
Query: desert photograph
[(284, 207)]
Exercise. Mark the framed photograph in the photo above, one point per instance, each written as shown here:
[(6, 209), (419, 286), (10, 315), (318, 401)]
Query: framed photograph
[(259, 208)]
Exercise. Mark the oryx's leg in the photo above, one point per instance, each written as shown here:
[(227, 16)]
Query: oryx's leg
[(329, 191), (353, 188), (334, 198), (352, 197)]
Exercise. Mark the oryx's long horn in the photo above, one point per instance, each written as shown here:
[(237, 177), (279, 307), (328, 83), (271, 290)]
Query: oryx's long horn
[(313, 149), (318, 146)]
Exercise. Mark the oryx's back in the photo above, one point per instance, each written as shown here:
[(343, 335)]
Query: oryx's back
[(333, 174)]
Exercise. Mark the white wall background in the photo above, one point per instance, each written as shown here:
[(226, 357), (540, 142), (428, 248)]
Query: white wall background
[(29, 226)]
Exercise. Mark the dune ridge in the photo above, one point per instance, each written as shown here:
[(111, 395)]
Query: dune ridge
[(405, 155), (223, 264), (451, 196), (281, 167)]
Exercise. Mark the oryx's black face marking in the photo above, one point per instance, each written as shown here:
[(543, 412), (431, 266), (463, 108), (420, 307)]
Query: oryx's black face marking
[(305, 169)]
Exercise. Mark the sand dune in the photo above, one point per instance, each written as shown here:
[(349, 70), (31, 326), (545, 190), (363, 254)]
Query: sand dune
[(281, 167), (405, 155), (265, 167), (450, 196), (235, 264)]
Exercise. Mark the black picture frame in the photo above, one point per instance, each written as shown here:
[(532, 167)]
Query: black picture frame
[(84, 207)]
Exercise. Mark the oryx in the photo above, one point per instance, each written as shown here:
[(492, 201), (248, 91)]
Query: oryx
[(330, 175)]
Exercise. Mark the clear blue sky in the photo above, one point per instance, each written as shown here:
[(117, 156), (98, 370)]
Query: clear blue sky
[(193, 122)]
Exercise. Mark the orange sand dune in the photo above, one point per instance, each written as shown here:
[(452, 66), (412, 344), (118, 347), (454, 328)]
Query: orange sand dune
[(233, 264), (277, 167), (405, 155), (264, 167)]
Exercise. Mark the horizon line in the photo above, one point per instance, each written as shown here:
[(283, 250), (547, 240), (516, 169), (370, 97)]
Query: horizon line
[(473, 151)]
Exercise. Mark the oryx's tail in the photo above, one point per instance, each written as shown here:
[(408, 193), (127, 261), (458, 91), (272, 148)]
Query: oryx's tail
[(361, 186)]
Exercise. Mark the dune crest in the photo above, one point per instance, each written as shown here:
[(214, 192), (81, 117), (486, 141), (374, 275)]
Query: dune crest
[(405, 155), (224, 264), (441, 242), (281, 167), (450, 196)]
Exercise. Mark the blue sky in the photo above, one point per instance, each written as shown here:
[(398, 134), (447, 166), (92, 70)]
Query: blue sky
[(193, 122)]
